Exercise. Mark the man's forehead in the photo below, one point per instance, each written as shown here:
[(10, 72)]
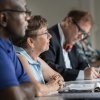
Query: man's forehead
[(13, 4)]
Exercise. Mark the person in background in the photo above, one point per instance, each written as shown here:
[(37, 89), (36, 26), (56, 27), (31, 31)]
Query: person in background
[(36, 41), (62, 55), (88, 53), (14, 81)]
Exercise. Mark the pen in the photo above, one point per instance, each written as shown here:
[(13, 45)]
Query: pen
[(89, 65)]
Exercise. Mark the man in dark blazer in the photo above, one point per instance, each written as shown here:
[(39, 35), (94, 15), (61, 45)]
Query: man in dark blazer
[(62, 55)]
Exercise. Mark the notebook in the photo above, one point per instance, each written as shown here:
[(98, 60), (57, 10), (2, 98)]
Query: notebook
[(85, 86)]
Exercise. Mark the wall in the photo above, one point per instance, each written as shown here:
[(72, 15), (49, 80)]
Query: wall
[(97, 23), (55, 10)]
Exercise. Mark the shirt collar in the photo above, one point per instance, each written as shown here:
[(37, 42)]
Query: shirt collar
[(25, 54), (6, 44), (62, 37)]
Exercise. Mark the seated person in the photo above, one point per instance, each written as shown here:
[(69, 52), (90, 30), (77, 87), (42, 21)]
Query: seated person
[(36, 41), (86, 50), (14, 81), (62, 55)]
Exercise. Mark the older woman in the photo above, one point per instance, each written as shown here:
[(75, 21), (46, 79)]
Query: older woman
[(29, 48)]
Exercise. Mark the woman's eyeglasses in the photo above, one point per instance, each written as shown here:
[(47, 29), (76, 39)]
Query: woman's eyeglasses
[(46, 33)]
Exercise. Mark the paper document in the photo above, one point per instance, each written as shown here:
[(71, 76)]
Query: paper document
[(80, 86), (83, 87)]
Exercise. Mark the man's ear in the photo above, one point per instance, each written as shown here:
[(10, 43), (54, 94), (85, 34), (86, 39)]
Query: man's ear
[(30, 42), (69, 20), (3, 20)]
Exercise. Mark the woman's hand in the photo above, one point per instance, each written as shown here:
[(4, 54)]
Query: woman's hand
[(57, 78)]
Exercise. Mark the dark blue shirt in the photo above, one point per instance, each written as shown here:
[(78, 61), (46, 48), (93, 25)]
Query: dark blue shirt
[(11, 70)]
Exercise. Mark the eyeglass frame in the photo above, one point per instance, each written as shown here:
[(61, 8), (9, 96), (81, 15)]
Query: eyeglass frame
[(47, 33), (13, 10), (81, 30)]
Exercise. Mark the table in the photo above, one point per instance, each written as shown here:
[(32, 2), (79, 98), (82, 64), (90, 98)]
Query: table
[(74, 96)]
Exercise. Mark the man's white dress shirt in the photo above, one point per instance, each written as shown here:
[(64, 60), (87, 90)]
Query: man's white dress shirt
[(65, 54)]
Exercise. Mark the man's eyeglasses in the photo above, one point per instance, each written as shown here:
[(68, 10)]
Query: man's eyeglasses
[(85, 34), (19, 11)]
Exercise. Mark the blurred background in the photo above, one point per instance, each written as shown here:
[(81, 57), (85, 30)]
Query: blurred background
[(55, 10)]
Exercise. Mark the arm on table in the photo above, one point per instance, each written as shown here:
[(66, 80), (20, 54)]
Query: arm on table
[(41, 89), (49, 74)]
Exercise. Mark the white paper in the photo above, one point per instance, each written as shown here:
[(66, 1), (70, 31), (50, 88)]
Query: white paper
[(80, 87)]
